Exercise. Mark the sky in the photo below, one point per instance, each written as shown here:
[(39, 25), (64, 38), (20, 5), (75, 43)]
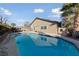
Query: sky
[(20, 13)]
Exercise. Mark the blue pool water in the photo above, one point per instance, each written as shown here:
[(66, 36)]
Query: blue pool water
[(37, 45)]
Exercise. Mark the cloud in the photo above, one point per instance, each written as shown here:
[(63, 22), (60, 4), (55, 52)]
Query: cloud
[(39, 10), (5, 11), (56, 11)]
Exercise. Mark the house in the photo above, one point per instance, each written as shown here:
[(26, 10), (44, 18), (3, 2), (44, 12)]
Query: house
[(45, 26)]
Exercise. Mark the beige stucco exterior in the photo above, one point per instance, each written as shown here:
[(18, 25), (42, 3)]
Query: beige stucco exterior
[(51, 28)]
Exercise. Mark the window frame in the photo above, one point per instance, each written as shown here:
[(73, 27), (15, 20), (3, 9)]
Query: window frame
[(43, 27)]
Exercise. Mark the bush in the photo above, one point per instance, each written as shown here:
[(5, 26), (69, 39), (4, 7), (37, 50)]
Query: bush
[(3, 29)]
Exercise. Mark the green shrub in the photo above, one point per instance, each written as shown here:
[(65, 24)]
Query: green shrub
[(3, 29)]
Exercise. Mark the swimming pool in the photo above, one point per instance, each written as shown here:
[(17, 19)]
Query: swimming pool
[(37, 45)]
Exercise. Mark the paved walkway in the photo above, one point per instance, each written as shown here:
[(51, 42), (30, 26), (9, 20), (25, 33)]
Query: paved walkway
[(8, 46), (2, 37)]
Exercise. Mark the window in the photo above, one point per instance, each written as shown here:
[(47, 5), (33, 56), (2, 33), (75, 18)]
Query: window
[(44, 27)]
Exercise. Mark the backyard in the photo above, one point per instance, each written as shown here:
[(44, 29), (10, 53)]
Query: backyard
[(40, 36)]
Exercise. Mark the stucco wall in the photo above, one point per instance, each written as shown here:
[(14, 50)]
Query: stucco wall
[(51, 29)]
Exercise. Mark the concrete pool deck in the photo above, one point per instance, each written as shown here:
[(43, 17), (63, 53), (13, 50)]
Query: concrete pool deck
[(8, 47)]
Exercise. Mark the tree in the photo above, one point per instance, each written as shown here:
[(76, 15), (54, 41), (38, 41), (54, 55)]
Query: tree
[(71, 9), (26, 24), (13, 24), (3, 20)]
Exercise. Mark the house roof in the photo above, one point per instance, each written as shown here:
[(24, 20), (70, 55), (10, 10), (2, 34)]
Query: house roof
[(47, 20)]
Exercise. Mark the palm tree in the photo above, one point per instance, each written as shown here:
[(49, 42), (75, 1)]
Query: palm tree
[(71, 9)]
